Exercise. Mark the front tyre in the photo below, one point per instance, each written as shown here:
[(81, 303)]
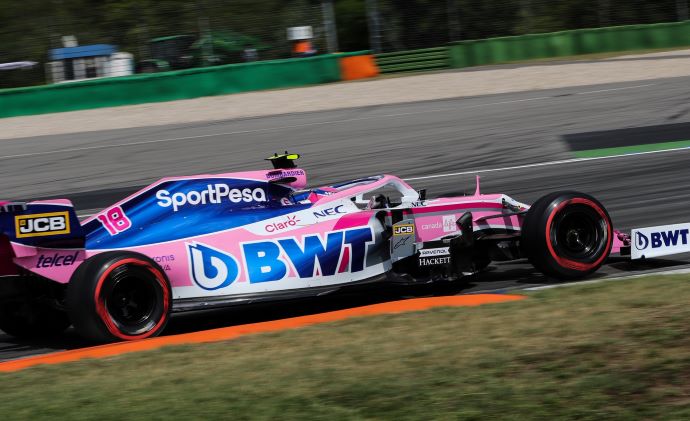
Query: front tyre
[(567, 235), (119, 295)]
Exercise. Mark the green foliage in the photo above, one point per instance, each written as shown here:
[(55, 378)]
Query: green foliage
[(351, 21), (28, 29)]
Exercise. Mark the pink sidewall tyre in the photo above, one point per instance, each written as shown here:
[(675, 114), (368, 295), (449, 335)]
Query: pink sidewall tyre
[(119, 296), (567, 235)]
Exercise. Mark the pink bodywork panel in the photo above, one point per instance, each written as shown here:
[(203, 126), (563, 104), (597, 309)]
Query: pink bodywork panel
[(58, 265), (434, 219), (231, 241)]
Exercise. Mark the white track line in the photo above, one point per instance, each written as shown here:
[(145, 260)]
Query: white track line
[(520, 167), (616, 278), (294, 126), (615, 89), (548, 163)]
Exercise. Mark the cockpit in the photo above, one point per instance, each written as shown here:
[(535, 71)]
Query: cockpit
[(376, 192)]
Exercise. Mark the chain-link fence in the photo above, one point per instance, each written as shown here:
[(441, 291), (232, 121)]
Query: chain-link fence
[(46, 41)]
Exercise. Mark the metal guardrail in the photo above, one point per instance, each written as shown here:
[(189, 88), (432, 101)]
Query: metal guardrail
[(414, 60)]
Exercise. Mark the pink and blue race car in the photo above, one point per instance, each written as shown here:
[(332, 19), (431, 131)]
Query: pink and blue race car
[(199, 242)]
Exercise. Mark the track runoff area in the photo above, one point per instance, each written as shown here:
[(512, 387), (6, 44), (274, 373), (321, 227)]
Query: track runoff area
[(602, 165)]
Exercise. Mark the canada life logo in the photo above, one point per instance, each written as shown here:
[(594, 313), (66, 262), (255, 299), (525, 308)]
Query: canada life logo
[(214, 194), (449, 224)]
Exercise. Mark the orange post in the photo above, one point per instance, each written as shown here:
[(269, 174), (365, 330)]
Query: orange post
[(358, 67)]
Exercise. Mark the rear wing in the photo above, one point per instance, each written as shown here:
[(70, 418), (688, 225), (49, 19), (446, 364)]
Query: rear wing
[(41, 224)]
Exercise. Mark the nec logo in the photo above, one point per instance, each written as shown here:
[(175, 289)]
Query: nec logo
[(661, 238), (43, 224), (407, 229), (329, 212)]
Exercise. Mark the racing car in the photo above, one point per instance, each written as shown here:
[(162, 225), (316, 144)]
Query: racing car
[(206, 241)]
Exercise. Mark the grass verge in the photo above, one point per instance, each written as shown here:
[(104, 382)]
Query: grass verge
[(621, 150), (616, 350)]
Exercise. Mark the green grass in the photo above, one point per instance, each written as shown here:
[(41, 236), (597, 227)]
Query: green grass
[(622, 150), (616, 350)]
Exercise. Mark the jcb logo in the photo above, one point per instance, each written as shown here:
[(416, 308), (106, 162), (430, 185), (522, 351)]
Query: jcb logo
[(407, 229), (42, 224)]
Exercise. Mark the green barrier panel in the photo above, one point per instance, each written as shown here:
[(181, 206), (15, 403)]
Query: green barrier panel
[(568, 43), (413, 60), (408, 52), (169, 86)]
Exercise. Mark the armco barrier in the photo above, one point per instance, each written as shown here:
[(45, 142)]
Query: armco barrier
[(569, 43), (405, 61), (169, 86)]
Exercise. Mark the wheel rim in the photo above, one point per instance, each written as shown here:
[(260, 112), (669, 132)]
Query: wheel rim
[(579, 233), (133, 299)]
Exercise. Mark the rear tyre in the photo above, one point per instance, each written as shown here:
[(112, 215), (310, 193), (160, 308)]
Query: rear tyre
[(28, 319), (567, 235), (117, 296)]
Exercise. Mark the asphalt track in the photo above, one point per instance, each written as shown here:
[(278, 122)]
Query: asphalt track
[(506, 138)]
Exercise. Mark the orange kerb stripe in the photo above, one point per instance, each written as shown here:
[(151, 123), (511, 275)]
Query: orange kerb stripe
[(226, 333), (358, 67)]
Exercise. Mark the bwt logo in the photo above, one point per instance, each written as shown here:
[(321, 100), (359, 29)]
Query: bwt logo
[(212, 269), (661, 238), (213, 194)]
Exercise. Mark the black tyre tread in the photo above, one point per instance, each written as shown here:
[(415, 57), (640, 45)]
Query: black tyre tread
[(533, 245), (81, 289), (530, 230)]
